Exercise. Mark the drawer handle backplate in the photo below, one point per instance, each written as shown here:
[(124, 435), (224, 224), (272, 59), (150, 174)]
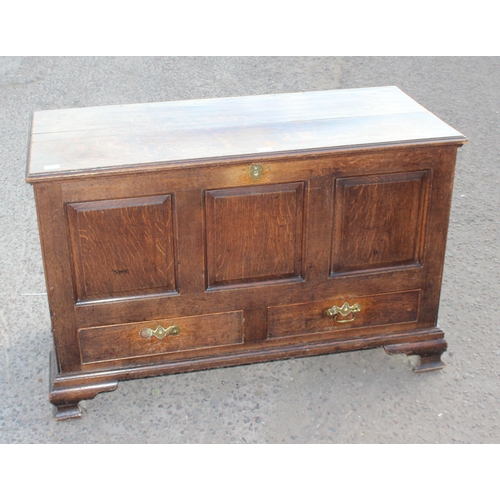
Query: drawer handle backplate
[(160, 332), (344, 311)]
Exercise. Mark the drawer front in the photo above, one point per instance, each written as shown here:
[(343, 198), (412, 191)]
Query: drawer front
[(164, 336), (341, 313)]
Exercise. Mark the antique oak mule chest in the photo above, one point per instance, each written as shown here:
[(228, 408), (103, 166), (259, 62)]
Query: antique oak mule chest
[(188, 235)]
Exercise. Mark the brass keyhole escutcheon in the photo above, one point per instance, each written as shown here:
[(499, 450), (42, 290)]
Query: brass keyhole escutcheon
[(344, 311), (256, 171)]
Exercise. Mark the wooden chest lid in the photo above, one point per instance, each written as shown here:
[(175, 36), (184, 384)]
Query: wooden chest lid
[(88, 141)]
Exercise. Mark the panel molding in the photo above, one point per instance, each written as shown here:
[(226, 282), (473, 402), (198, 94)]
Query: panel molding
[(391, 240), (122, 247), (254, 234)]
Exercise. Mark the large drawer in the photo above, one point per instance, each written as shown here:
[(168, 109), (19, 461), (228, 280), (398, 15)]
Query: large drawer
[(340, 313), (163, 336)]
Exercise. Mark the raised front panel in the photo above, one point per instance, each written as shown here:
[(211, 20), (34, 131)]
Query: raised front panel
[(379, 221), (254, 234), (122, 247)]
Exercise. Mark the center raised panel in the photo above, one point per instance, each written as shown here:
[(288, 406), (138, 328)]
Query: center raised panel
[(254, 234)]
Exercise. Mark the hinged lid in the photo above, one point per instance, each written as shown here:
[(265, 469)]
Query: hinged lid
[(92, 140)]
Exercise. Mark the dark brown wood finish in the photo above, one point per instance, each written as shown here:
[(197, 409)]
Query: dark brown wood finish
[(429, 352), (311, 317), (66, 398), (379, 221), (254, 234), (57, 264), (179, 260), (122, 247), (127, 341)]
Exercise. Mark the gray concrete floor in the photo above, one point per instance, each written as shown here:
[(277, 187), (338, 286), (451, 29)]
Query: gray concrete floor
[(358, 397)]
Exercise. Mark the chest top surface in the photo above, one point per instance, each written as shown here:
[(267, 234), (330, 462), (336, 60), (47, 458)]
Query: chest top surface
[(96, 139)]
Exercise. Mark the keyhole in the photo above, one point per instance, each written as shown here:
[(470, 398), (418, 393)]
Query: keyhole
[(256, 171)]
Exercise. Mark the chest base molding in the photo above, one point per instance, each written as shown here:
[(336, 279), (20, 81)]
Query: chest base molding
[(66, 391)]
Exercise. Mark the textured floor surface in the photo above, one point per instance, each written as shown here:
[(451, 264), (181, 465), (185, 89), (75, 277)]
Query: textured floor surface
[(358, 397)]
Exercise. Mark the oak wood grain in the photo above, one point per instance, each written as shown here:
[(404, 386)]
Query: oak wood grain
[(57, 265), (87, 139), (311, 317), (239, 355), (148, 217), (254, 233), (379, 220), (122, 247), (125, 341)]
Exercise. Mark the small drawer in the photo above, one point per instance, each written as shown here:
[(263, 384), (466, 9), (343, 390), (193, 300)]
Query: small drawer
[(163, 336), (340, 313)]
